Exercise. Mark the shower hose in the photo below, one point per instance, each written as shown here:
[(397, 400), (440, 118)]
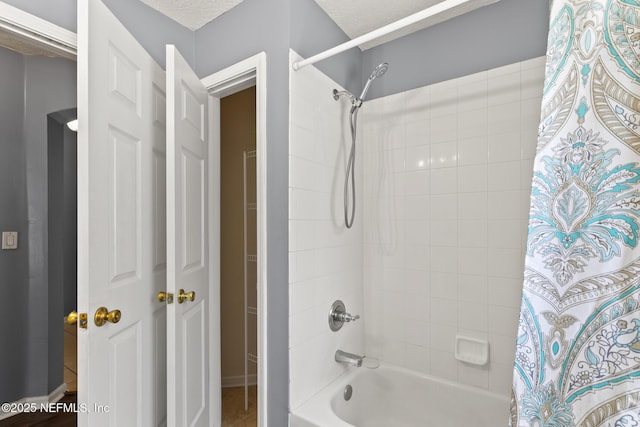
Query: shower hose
[(349, 217)]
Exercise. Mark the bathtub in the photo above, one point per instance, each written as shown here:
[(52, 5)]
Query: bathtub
[(393, 396)]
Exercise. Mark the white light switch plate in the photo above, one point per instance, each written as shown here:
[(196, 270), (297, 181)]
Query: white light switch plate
[(9, 240)]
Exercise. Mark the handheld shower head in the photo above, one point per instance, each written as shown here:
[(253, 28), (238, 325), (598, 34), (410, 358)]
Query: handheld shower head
[(377, 72)]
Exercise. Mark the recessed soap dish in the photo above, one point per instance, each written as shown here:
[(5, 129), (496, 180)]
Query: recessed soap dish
[(472, 350)]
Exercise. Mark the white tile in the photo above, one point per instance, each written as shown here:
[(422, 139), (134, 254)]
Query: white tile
[(530, 114), (473, 288), (506, 205), (504, 147), (504, 89), (473, 316), (473, 123), (506, 292), (504, 176), (416, 307), (416, 358), (444, 99), (416, 157), (416, 207), (416, 282), (503, 321), (444, 233), (528, 143), (444, 285), (473, 179), (444, 365), (473, 151), (416, 332), (417, 233), (473, 93), (501, 379), (416, 183), (472, 261), (444, 259), (417, 258), (417, 133), (472, 233), (444, 128), (444, 155), (506, 233), (302, 296), (507, 263), (504, 70), (444, 321), (417, 104), (473, 205), (502, 349), (504, 118), (444, 206), (475, 376), (444, 181)]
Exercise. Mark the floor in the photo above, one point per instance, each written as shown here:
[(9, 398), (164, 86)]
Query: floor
[(70, 357), (233, 414)]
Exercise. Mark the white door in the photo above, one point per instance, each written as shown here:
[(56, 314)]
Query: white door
[(121, 225), (187, 246)]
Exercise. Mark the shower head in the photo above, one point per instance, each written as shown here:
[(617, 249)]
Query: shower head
[(377, 72)]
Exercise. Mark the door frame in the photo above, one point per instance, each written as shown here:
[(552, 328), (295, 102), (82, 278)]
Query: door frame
[(242, 75), (252, 71)]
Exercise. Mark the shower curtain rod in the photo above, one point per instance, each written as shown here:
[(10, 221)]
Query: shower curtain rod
[(389, 28)]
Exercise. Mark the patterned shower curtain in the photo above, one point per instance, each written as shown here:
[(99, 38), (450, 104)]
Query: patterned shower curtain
[(578, 348)]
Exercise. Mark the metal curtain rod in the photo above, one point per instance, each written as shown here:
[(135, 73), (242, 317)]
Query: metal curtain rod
[(389, 28)]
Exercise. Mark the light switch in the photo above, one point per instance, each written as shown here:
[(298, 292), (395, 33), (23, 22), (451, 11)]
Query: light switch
[(9, 240)]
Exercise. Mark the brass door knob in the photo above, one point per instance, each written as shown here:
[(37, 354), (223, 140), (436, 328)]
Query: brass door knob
[(182, 296), (103, 316), (165, 296), (72, 318)]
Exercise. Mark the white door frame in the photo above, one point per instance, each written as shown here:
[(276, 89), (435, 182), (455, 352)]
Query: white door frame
[(244, 74), (252, 71)]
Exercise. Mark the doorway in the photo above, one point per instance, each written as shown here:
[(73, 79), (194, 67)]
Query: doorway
[(62, 235), (238, 273)]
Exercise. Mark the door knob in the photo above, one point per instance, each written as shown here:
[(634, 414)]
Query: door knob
[(182, 297), (103, 316), (165, 296), (72, 318)]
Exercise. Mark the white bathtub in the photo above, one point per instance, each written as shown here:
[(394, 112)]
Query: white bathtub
[(397, 397)]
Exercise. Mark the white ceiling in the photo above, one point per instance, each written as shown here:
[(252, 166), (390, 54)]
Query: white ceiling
[(354, 17)]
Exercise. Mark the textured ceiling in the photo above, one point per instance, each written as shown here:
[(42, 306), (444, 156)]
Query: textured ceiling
[(358, 17), (192, 14), (354, 17)]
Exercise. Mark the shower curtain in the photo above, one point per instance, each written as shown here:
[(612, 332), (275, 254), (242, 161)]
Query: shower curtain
[(577, 357)]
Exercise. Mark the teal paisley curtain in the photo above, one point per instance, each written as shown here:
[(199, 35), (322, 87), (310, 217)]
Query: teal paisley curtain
[(578, 349)]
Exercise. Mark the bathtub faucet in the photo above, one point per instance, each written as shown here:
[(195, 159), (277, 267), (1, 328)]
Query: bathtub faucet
[(349, 358)]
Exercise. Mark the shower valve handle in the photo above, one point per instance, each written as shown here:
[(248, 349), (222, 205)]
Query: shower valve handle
[(347, 317), (338, 316)]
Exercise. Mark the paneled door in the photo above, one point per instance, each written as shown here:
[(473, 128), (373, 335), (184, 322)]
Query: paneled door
[(187, 246), (121, 226)]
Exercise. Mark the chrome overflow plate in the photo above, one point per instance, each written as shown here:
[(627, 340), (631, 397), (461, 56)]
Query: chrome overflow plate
[(348, 392)]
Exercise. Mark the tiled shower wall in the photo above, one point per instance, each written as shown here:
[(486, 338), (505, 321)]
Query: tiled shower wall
[(448, 171), (325, 259)]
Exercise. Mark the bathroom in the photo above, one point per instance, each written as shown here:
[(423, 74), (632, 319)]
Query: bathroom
[(445, 151)]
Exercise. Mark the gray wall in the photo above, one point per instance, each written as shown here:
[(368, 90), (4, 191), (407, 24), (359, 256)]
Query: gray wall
[(30, 88), (273, 27), (502, 33), (49, 86), (14, 282), (249, 28)]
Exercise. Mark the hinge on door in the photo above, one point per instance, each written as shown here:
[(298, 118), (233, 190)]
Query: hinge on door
[(83, 320)]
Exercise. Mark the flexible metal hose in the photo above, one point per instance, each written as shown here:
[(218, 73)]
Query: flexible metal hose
[(348, 219)]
